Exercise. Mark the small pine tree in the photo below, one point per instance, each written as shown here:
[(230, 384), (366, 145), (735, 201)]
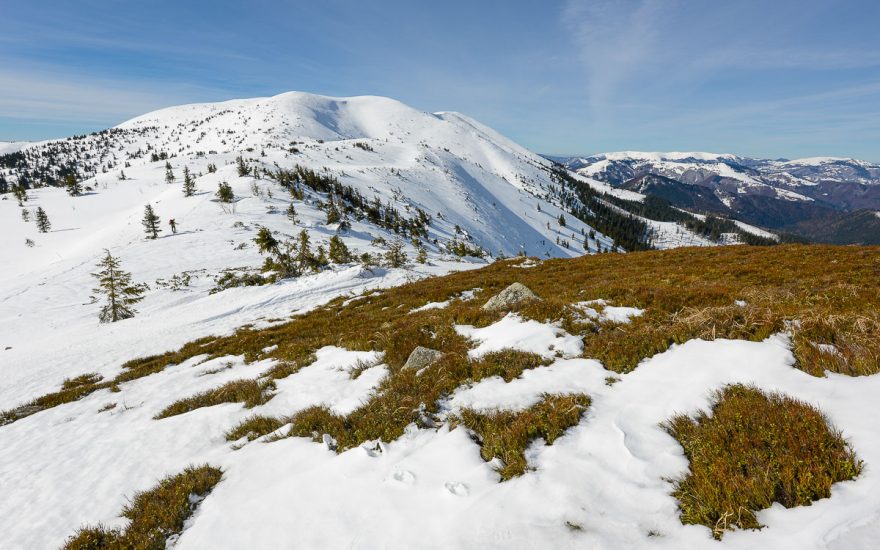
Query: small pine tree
[(291, 213), (332, 212), (304, 257), (395, 256), (169, 175), (242, 166), (224, 193), (422, 256), (339, 252), (151, 222), (561, 220), (74, 188), (167, 164), (25, 214), (212, 168), (20, 194), (122, 175), (115, 284), (189, 183), (42, 219)]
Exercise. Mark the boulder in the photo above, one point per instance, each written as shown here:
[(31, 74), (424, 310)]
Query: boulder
[(422, 357), (515, 294)]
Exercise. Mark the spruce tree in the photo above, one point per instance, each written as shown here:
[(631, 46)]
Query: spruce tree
[(422, 256), (151, 222), (189, 183), (115, 284), (332, 212), (291, 214), (339, 252), (395, 256), (169, 176), (42, 219), (304, 257), (279, 255), (224, 193), (25, 214), (74, 188), (242, 167), (20, 194), (561, 220)]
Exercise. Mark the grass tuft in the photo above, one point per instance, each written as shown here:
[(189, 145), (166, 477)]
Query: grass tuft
[(254, 427), (505, 435), (155, 515), (753, 450), (249, 392)]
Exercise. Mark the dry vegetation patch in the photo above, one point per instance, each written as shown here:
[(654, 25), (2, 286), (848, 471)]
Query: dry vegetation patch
[(753, 450), (505, 435), (827, 297), (156, 515)]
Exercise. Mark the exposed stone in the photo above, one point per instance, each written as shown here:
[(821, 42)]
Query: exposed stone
[(515, 294), (422, 357)]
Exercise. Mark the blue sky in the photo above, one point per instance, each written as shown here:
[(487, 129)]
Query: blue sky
[(770, 78)]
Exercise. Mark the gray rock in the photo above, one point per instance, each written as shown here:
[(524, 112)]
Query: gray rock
[(515, 294), (422, 357)]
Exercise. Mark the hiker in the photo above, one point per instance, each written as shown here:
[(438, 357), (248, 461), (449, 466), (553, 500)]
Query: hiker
[(173, 225)]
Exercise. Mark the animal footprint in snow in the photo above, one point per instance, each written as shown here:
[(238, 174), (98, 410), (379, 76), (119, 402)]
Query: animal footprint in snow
[(404, 476), (457, 488)]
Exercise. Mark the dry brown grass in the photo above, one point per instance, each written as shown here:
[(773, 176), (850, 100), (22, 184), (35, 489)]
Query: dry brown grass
[(753, 450), (155, 515), (822, 294), (505, 435), (249, 392)]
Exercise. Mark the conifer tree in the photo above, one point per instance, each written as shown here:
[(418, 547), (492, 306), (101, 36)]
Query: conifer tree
[(422, 256), (189, 184), (122, 175), (332, 212), (42, 219), (279, 255), (25, 214), (74, 188), (115, 284), (212, 168), (151, 222), (339, 252), (291, 213), (169, 176), (304, 257), (224, 193), (20, 194), (395, 256), (561, 220), (242, 167)]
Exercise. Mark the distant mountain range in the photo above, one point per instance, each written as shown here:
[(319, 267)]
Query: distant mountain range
[(824, 199)]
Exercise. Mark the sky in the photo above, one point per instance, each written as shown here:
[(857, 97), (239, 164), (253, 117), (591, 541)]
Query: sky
[(763, 78)]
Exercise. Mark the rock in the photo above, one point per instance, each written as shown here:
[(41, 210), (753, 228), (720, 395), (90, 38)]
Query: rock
[(422, 357), (515, 294)]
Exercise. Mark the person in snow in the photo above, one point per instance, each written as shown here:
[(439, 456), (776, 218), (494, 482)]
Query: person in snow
[(173, 225)]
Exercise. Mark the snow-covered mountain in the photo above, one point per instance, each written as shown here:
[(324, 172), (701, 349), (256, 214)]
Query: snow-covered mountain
[(791, 195)]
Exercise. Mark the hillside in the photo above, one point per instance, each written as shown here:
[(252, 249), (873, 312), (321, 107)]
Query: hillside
[(541, 423), (783, 195)]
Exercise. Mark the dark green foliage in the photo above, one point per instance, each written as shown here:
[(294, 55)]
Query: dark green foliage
[(395, 256), (73, 186), (150, 222), (121, 294), (42, 220), (339, 252), (224, 193), (189, 183)]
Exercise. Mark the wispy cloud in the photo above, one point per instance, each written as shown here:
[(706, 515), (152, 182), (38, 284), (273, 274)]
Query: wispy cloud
[(40, 95)]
